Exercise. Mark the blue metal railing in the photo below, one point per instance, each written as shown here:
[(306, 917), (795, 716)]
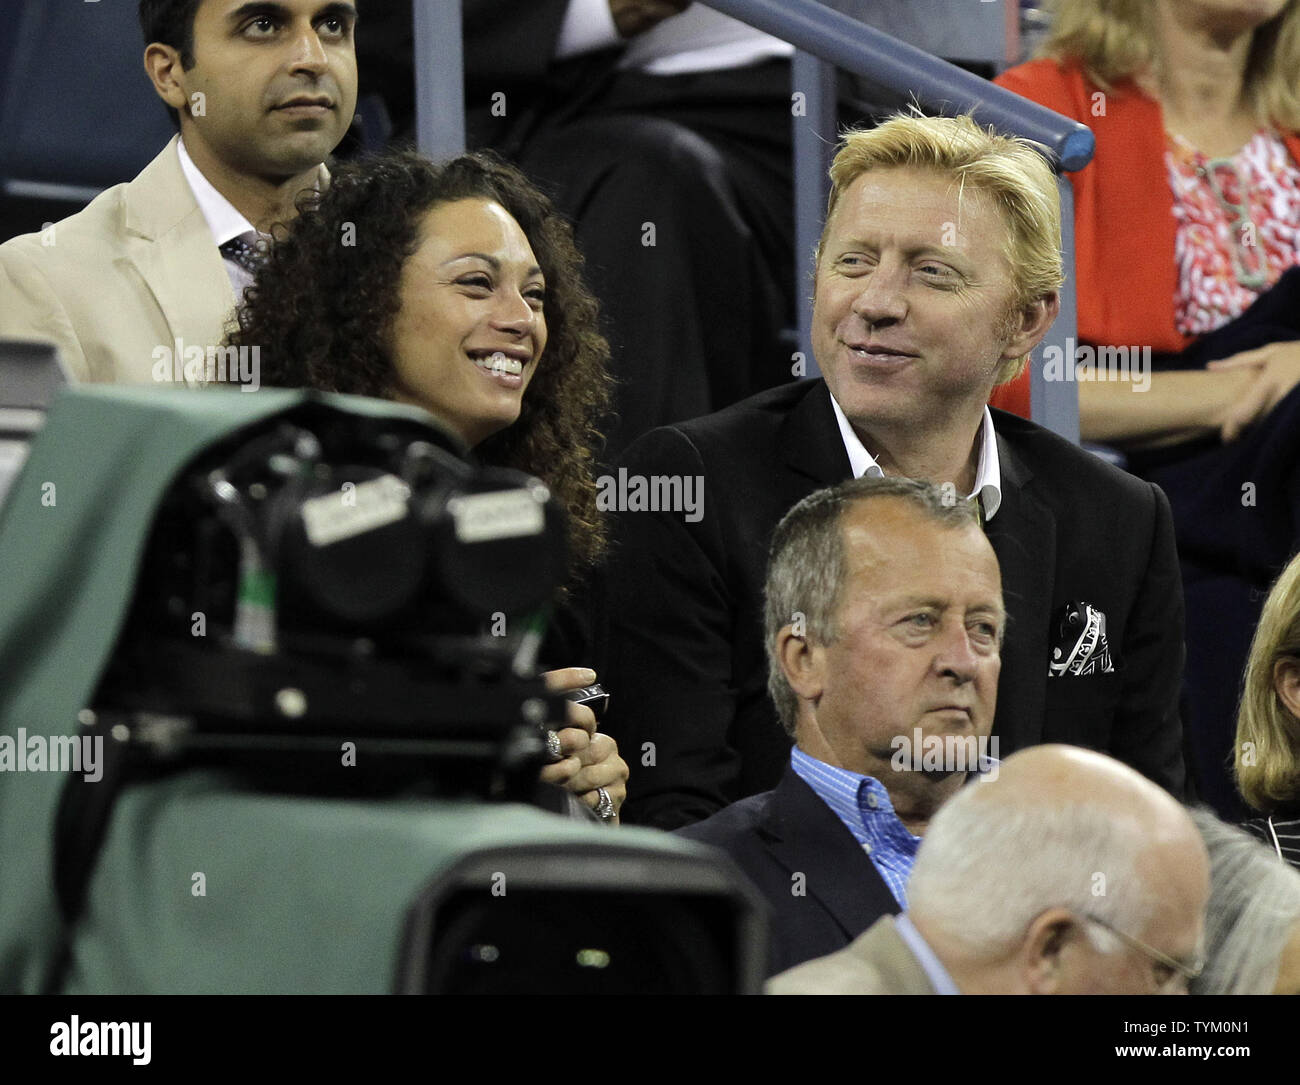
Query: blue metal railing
[(824, 39)]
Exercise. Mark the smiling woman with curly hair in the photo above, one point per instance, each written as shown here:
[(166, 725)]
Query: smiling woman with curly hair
[(455, 287), (406, 281)]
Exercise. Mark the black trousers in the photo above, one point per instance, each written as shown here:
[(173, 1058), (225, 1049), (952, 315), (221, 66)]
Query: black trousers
[(680, 191), (1237, 520)]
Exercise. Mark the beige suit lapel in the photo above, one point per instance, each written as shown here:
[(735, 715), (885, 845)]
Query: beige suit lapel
[(172, 248), (877, 962), (897, 966)]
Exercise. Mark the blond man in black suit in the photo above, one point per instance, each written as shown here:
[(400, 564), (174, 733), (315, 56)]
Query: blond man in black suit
[(937, 275)]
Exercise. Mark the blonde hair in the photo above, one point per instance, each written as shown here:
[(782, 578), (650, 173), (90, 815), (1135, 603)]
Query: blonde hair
[(1010, 171), (1266, 759), (1115, 40)]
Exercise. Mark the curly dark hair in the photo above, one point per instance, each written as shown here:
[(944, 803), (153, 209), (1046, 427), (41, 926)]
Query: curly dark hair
[(323, 304)]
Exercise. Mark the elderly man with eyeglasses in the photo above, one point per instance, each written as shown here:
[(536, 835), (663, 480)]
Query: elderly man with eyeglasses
[(1068, 873)]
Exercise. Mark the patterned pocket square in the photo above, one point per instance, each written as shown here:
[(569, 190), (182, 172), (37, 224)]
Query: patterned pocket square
[(1079, 644)]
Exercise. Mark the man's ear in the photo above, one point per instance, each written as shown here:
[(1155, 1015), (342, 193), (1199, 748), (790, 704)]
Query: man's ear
[(802, 662), (1042, 952), (1286, 681), (1031, 322), (162, 64)]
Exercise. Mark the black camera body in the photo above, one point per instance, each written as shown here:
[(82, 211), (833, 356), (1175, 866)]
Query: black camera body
[(324, 579)]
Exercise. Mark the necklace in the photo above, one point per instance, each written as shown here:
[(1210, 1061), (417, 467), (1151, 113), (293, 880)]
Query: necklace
[(1228, 182)]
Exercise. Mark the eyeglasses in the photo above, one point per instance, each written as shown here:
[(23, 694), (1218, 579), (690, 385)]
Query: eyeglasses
[(1177, 967)]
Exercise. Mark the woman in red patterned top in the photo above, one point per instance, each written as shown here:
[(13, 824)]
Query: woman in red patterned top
[(1191, 207), (1187, 235)]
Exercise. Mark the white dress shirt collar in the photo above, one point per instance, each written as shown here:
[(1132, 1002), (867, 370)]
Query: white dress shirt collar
[(225, 222), (223, 219), (988, 472)]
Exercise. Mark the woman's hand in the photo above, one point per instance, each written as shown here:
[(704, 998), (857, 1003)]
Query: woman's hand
[(1277, 371), (590, 759)]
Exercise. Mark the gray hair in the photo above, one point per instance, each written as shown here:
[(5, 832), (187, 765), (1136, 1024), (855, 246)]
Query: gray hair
[(987, 870), (1254, 904), (805, 570)]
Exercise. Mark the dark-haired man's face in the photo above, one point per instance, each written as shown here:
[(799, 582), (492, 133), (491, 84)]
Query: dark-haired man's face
[(273, 86)]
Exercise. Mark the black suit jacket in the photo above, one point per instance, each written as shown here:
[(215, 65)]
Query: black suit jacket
[(686, 665), (822, 888)]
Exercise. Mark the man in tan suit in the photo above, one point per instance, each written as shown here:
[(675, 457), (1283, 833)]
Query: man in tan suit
[(140, 285), (1067, 873)]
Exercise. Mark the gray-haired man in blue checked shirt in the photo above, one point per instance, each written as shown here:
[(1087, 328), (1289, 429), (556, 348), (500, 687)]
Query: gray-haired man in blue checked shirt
[(884, 623)]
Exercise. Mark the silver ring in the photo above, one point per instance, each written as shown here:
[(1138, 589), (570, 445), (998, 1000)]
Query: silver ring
[(604, 805), (553, 749)]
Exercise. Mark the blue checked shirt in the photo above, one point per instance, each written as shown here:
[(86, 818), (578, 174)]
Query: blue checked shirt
[(862, 803)]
